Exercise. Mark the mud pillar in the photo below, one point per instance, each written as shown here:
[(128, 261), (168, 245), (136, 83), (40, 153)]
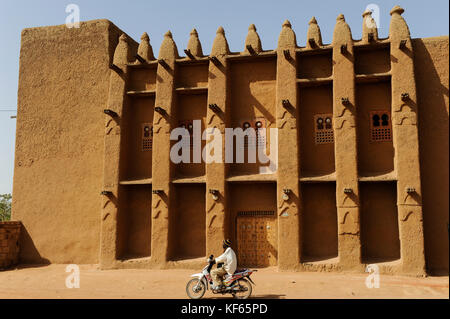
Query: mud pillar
[(405, 139), (161, 164), (113, 114), (288, 191), (345, 143), (369, 28), (314, 36), (145, 50), (216, 212)]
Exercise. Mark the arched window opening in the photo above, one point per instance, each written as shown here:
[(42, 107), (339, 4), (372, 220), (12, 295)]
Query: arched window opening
[(188, 125), (319, 123), (376, 120), (385, 120), (328, 123), (380, 126)]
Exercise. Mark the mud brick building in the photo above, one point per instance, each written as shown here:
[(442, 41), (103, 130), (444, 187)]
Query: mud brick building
[(362, 150)]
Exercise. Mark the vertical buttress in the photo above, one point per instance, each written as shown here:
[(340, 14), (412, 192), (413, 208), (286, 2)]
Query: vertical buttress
[(405, 139), (288, 211), (344, 117), (216, 219), (161, 164)]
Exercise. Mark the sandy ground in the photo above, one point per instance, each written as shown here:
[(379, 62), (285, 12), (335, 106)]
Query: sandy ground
[(50, 282)]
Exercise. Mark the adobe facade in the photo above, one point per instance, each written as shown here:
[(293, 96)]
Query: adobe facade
[(362, 174)]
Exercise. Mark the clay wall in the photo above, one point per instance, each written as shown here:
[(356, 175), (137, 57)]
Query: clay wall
[(379, 222), (135, 222), (187, 226), (320, 240), (191, 107), (252, 98), (137, 155), (9, 244), (63, 88), (432, 72), (68, 150), (374, 157), (318, 158)]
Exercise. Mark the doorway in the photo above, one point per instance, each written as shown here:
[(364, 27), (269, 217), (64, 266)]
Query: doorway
[(257, 237)]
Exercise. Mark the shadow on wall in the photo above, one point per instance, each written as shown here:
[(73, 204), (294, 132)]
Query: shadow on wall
[(27, 248), (434, 147)]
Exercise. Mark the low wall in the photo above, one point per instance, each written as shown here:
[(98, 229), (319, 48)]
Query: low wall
[(9, 244)]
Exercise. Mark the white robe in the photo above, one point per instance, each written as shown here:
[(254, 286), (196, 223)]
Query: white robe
[(229, 260)]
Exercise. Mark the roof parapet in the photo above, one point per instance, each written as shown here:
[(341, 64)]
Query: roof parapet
[(252, 41), (145, 50), (194, 47), (122, 54), (398, 29), (342, 33), (370, 30), (287, 38), (220, 44), (168, 48), (313, 36)]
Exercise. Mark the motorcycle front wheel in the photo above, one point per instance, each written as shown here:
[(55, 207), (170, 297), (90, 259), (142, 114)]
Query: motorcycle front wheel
[(243, 290), (195, 288)]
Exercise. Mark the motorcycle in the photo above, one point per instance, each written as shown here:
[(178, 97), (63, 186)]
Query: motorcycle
[(239, 285)]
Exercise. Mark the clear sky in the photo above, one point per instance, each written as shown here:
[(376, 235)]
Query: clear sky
[(425, 19)]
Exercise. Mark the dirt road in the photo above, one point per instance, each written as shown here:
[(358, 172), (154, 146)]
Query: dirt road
[(50, 282)]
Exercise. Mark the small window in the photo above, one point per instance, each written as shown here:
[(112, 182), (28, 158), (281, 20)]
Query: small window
[(323, 127), (380, 126), (147, 136), (189, 126), (375, 120), (258, 124), (319, 122)]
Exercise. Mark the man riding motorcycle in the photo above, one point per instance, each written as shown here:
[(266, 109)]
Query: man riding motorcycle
[(229, 260)]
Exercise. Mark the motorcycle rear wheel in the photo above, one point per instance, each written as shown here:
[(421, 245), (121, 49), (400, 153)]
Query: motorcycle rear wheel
[(191, 288), (243, 293)]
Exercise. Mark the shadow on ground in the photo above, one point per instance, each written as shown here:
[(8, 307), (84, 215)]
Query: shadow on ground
[(269, 296)]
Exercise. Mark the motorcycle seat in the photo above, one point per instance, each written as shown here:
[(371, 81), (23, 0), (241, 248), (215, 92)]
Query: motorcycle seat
[(240, 270)]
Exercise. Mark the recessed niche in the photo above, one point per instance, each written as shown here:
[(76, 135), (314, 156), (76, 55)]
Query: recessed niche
[(375, 150), (188, 222), (315, 66), (380, 239), (319, 220), (372, 61), (137, 142), (135, 222), (192, 75), (142, 79), (191, 108), (316, 130), (253, 90)]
